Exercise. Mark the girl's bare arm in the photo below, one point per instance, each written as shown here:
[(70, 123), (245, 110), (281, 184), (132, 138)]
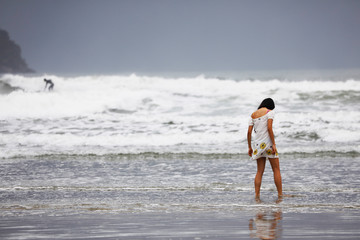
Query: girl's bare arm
[(249, 140), (271, 133)]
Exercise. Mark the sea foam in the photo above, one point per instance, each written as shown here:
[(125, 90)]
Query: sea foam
[(125, 114)]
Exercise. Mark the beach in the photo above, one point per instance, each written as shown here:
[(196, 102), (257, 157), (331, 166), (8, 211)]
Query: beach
[(179, 226), (177, 197), (155, 157)]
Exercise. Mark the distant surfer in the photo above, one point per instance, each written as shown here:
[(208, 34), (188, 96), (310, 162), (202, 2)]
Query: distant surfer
[(51, 84)]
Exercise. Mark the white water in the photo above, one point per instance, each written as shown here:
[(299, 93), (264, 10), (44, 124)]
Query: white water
[(133, 114)]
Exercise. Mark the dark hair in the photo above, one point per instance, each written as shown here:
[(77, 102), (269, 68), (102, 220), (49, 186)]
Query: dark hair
[(268, 103)]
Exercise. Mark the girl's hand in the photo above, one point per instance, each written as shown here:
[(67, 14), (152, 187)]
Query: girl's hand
[(274, 150), (250, 152)]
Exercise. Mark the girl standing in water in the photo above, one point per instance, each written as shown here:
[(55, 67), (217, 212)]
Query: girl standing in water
[(264, 144)]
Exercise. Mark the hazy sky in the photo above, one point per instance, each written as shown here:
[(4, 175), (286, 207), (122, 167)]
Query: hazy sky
[(109, 36)]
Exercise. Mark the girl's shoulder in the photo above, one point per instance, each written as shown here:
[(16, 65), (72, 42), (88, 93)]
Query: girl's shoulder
[(260, 113)]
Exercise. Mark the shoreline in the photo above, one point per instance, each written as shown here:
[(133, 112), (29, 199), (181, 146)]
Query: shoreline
[(162, 197), (196, 225)]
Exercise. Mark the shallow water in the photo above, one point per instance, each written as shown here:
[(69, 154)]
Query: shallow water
[(173, 182), (177, 196)]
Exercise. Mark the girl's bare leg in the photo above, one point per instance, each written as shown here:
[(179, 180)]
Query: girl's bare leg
[(260, 170), (275, 165)]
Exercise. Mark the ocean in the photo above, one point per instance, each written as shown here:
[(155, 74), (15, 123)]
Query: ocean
[(172, 147), (135, 114)]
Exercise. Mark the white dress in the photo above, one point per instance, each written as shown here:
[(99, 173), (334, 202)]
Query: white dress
[(262, 143)]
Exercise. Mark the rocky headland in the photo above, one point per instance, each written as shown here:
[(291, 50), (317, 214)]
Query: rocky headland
[(11, 60)]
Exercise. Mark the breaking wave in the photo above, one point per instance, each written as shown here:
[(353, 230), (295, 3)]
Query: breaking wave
[(134, 114)]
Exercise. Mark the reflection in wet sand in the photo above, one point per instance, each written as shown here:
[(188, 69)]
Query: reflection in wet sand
[(267, 224)]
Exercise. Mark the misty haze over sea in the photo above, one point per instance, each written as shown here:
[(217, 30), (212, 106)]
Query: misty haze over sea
[(87, 37)]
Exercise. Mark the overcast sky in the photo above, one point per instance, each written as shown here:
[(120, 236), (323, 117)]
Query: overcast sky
[(109, 36)]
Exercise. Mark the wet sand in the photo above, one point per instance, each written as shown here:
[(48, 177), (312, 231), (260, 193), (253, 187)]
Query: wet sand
[(265, 223)]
